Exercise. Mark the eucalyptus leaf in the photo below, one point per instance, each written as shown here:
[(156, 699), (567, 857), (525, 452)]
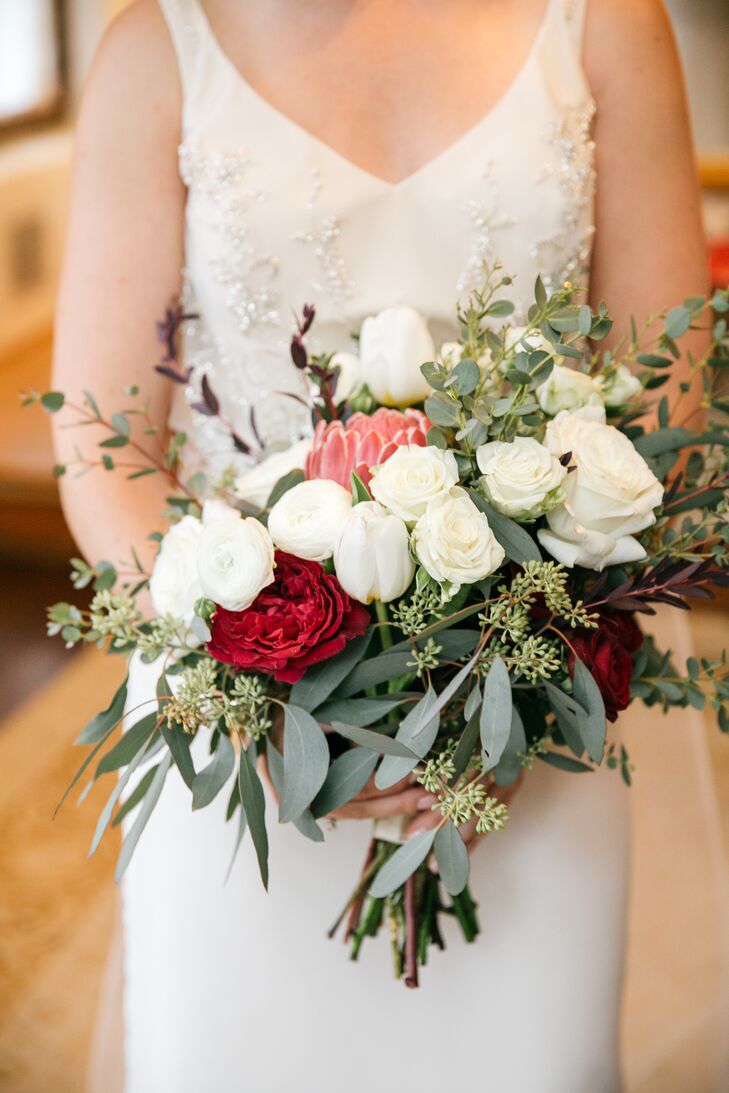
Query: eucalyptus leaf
[(121, 784), (150, 800), (322, 679), (284, 485), (135, 796), (102, 723), (466, 745), (360, 711), (253, 802), (375, 741), (510, 764), (347, 775), (495, 724), (305, 762), (517, 543), (593, 728), (402, 864), (441, 409), (305, 823), (208, 783), (452, 858), (570, 716), (417, 731), (564, 762), (178, 741), (128, 746)]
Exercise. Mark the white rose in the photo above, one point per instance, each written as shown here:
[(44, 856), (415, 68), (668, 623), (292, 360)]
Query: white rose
[(256, 484), (393, 345), (412, 477), (308, 520), (620, 387), (454, 542), (174, 585), (608, 499), (234, 561), (567, 389), (521, 479), (350, 379), (372, 559)]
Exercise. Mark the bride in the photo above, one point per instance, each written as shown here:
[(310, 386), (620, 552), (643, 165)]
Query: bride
[(356, 154)]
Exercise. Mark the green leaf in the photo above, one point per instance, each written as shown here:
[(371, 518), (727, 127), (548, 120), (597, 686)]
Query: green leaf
[(569, 716), (358, 489), (306, 762), (148, 804), (441, 410), (242, 824), (135, 796), (116, 441), (53, 401), (417, 731), (677, 322), (359, 711), (208, 783), (517, 543), (452, 858), (375, 741), (305, 823), (584, 319), (105, 816), (92, 404), (593, 728), (663, 440), (102, 723), (347, 775), (500, 309), (120, 422), (320, 680), (178, 741), (495, 724), (564, 762), (402, 864), (465, 377), (509, 768), (253, 803), (653, 360), (141, 474), (465, 746), (284, 485), (132, 740)]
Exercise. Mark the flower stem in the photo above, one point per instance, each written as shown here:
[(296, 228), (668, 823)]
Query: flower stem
[(383, 618), (411, 934)]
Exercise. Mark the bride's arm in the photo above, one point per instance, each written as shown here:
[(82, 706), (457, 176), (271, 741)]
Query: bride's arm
[(124, 253), (650, 250)]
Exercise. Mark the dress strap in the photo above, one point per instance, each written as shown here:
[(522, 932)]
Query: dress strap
[(575, 12), (191, 37)]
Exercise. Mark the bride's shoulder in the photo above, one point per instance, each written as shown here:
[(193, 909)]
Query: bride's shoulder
[(134, 78), (629, 43)]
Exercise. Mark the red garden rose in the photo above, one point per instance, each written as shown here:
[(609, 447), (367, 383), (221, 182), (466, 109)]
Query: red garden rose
[(608, 654), (302, 618)]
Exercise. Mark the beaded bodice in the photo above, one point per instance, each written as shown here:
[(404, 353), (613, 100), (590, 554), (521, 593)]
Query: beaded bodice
[(276, 218)]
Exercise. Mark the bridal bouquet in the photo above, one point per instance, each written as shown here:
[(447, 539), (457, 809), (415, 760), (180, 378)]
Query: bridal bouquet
[(441, 584)]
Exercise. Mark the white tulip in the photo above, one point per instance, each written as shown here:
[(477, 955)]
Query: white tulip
[(255, 485), (308, 520), (522, 479), (174, 585), (610, 497), (412, 477), (620, 387), (234, 561), (350, 379), (454, 543), (372, 559), (567, 389), (393, 345)]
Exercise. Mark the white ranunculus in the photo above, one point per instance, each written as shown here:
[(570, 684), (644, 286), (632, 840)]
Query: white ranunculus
[(174, 585), (522, 479), (308, 520), (412, 477), (234, 560), (256, 484), (350, 375), (217, 509), (372, 559), (454, 543), (392, 346), (567, 389), (610, 496), (620, 387)]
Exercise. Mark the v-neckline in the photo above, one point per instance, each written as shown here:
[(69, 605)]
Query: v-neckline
[(329, 150)]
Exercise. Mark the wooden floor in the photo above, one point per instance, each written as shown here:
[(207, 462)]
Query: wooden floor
[(57, 910)]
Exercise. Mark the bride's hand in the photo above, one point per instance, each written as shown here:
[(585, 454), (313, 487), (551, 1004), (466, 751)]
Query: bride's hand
[(371, 803), (431, 819)]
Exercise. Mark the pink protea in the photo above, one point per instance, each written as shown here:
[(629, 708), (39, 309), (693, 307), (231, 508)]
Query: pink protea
[(365, 441)]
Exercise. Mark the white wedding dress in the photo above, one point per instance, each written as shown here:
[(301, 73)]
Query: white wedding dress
[(228, 988)]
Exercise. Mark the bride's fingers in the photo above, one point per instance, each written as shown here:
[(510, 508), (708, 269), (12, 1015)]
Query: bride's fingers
[(370, 790), (387, 804)]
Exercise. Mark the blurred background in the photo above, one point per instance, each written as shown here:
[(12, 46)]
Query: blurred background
[(57, 912)]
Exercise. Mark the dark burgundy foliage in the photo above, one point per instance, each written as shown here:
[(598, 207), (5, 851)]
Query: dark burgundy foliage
[(669, 581), (304, 617)]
